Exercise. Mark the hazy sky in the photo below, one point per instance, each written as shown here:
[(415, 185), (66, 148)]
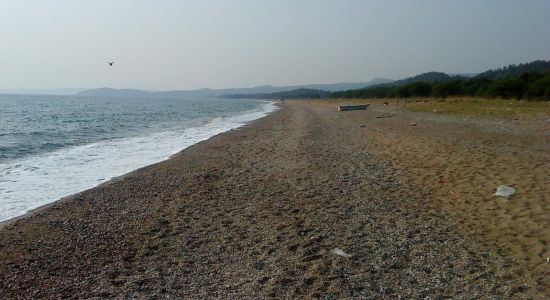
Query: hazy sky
[(194, 44)]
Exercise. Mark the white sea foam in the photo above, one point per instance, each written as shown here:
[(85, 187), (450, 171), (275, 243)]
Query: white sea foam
[(42, 179)]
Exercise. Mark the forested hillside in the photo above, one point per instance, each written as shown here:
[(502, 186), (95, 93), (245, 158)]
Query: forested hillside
[(529, 81), (537, 66)]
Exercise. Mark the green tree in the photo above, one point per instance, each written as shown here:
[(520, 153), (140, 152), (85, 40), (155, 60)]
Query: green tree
[(403, 91), (537, 89), (419, 89), (510, 87), (448, 88), (476, 86)]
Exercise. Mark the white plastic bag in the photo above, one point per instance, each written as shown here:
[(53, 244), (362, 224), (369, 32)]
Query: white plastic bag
[(505, 191)]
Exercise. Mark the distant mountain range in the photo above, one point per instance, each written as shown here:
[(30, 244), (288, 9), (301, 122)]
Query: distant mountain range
[(273, 92), (292, 94), (313, 93), (423, 81), (264, 89), (320, 90)]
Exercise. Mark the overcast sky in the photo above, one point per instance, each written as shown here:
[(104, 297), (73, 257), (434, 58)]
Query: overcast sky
[(217, 44)]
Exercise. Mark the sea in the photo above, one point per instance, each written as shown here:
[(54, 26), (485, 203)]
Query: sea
[(55, 146)]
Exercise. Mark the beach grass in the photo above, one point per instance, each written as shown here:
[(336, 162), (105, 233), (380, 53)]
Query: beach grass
[(460, 106), (479, 107)]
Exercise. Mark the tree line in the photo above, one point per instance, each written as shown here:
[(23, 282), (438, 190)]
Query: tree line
[(530, 86), (526, 81)]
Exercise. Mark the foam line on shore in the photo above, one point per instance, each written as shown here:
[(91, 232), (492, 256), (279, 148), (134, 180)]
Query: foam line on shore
[(39, 180)]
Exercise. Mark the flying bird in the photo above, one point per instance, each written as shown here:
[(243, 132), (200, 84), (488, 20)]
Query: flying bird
[(111, 63)]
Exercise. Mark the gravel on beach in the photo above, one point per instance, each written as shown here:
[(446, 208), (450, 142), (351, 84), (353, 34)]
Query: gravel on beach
[(264, 211)]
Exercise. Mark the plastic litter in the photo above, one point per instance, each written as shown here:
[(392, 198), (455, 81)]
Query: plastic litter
[(505, 191), (340, 252)]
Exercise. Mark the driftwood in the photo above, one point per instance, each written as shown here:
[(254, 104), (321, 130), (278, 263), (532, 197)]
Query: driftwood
[(352, 107), (385, 115)]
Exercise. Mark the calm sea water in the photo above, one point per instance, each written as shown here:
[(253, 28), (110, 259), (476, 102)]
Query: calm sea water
[(54, 146)]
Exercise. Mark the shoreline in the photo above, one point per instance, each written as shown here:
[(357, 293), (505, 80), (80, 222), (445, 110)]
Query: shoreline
[(119, 177), (37, 210), (258, 212)]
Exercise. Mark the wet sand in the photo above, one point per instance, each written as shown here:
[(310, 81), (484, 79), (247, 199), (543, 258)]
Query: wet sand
[(257, 212)]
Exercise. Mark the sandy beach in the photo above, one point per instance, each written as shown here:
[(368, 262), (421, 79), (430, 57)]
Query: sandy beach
[(307, 202)]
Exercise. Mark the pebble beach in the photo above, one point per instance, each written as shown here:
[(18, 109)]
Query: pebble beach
[(307, 202)]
